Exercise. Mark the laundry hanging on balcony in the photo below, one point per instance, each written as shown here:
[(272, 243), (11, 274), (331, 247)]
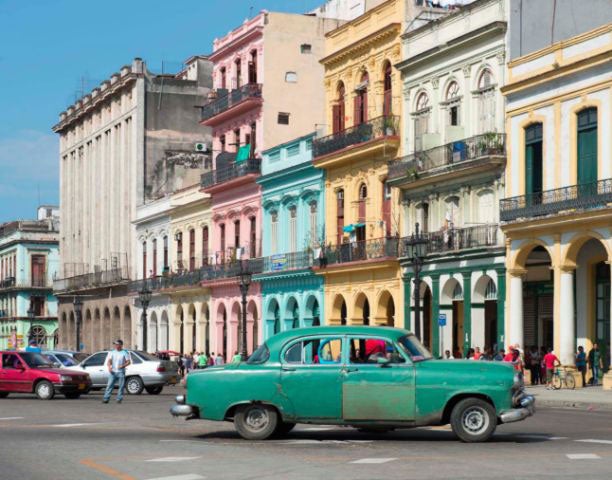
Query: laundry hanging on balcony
[(352, 227), (243, 153)]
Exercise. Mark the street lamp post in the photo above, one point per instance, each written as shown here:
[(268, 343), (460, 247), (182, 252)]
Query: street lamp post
[(78, 311), (144, 295), (416, 249), (245, 282), (31, 318)]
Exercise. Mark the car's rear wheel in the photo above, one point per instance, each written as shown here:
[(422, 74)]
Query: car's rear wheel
[(256, 421), (4, 394), (283, 428), (72, 395), (134, 385), (154, 390), (473, 420), (44, 390)]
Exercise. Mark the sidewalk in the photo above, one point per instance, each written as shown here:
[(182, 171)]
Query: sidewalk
[(589, 398)]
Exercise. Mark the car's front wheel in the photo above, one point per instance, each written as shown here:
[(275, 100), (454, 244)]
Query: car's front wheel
[(473, 420), (44, 390), (154, 390), (256, 421), (134, 385)]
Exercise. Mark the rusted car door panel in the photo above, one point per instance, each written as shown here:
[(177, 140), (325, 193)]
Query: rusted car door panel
[(313, 391)]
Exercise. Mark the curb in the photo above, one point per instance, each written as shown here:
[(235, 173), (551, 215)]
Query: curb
[(568, 404)]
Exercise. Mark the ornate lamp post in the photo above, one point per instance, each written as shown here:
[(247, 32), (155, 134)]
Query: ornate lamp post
[(416, 249), (245, 282), (77, 304), (144, 296), (31, 318)]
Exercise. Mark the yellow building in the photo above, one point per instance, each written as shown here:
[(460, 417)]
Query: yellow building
[(557, 215), (363, 99)]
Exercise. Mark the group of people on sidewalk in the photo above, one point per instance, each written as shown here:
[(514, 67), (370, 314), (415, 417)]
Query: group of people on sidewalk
[(198, 360)]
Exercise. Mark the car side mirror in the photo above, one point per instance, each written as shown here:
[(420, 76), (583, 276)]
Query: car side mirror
[(57, 365), (383, 361)]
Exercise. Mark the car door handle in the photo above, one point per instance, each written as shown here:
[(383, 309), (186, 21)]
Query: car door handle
[(349, 369), (288, 369)]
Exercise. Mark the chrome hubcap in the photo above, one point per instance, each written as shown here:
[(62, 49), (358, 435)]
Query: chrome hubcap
[(133, 385), (44, 390), (475, 420), (257, 418)]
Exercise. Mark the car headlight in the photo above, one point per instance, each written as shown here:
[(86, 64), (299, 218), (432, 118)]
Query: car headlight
[(65, 378)]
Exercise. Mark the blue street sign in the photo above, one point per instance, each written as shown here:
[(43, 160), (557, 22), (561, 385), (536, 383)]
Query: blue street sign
[(442, 320)]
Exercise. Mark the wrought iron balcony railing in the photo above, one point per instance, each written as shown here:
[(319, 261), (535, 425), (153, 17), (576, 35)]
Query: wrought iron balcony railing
[(235, 170), (229, 98), (359, 251), (92, 280), (457, 239), (584, 197), (446, 156), (287, 261), (387, 126), (13, 284)]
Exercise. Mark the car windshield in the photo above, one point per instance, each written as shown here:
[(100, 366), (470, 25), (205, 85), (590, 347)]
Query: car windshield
[(36, 360), (261, 355), (146, 357), (67, 360), (411, 345), (79, 357)]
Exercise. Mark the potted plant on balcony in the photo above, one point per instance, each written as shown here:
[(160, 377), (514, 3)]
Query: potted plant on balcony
[(389, 126), (490, 144), (412, 173)]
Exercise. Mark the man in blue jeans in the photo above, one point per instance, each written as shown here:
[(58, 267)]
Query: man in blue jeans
[(116, 361)]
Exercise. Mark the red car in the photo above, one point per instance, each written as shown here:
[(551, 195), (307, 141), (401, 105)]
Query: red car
[(31, 372)]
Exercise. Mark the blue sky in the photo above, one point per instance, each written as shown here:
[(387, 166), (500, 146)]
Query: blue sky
[(49, 48)]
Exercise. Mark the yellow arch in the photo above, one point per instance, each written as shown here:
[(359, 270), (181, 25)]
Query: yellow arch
[(519, 259), (577, 242)]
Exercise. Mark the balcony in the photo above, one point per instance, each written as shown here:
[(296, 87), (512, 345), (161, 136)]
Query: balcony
[(346, 253), (287, 262), (106, 278), (463, 157), (458, 239), (230, 103), (587, 196), (235, 173), (10, 283), (379, 135)]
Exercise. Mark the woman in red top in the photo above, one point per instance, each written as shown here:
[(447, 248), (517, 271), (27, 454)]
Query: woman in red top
[(550, 360)]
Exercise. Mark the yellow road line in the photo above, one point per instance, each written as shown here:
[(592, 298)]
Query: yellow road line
[(111, 472)]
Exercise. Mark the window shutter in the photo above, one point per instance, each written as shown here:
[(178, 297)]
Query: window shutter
[(357, 115), (336, 118)]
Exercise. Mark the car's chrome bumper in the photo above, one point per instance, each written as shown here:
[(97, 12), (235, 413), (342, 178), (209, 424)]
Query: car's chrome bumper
[(525, 408), (180, 409)]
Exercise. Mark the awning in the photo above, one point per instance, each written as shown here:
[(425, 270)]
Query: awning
[(352, 227)]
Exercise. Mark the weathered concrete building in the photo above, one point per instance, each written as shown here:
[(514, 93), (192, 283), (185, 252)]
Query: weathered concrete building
[(124, 144)]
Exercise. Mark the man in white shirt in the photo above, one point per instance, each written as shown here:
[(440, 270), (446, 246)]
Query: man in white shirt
[(116, 361)]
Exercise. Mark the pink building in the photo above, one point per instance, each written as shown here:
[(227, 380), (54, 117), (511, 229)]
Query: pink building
[(268, 89)]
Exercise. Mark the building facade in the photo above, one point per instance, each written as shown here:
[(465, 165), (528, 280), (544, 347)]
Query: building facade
[(293, 231), (120, 147), (557, 216), (29, 259), (451, 179), (266, 75)]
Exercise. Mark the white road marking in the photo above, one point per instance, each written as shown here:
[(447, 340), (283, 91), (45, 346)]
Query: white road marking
[(69, 425), (373, 460), (309, 441), (592, 440), (540, 437), (582, 456), (172, 459), (557, 438), (187, 476), (316, 429), (11, 418)]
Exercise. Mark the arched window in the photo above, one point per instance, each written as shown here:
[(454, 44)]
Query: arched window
[(313, 223), (491, 291), (339, 110), (274, 232), (361, 100), (292, 229), (457, 293), (486, 102), (421, 120), (587, 146), (340, 215), (453, 102), (253, 67), (238, 65), (453, 219), (387, 85), (222, 78)]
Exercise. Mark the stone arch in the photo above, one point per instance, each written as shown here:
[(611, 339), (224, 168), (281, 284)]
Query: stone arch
[(292, 313), (191, 325), (95, 331), (422, 100), (205, 327), (312, 311), (164, 331), (106, 329), (448, 289), (569, 259), (126, 333), (273, 319), (480, 80), (361, 313), (385, 309), (252, 325), (519, 259), (116, 324), (480, 288), (339, 311), (179, 325), (86, 335), (234, 330)]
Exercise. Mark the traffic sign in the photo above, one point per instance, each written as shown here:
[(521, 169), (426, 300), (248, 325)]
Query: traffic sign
[(442, 320)]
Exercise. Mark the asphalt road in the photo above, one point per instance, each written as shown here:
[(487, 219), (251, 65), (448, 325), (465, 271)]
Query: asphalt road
[(85, 439)]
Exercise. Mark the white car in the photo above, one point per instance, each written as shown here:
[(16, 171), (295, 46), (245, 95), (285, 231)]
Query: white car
[(145, 372)]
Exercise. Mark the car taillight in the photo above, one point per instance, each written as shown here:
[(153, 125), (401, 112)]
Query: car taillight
[(161, 368)]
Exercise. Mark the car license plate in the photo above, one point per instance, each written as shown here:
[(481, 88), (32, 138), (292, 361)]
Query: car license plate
[(81, 386)]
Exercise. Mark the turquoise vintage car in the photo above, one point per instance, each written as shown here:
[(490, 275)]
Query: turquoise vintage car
[(371, 378)]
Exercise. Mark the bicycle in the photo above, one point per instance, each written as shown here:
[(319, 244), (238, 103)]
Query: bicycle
[(560, 378)]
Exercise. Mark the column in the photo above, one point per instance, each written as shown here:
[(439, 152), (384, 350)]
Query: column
[(407, 302), (516, 306), (567, 326), (435, 313), (501, 306), (467, 311)]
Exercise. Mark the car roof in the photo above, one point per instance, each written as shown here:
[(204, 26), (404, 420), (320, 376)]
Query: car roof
[(390, 332)]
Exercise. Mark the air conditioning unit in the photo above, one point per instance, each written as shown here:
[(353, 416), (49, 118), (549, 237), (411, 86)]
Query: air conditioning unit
[(201, 147)]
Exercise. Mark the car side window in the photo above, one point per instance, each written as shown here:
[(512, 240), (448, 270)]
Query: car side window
[(315, 351), (96, 360), (11, 361), (135, 358), (369, 350)]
